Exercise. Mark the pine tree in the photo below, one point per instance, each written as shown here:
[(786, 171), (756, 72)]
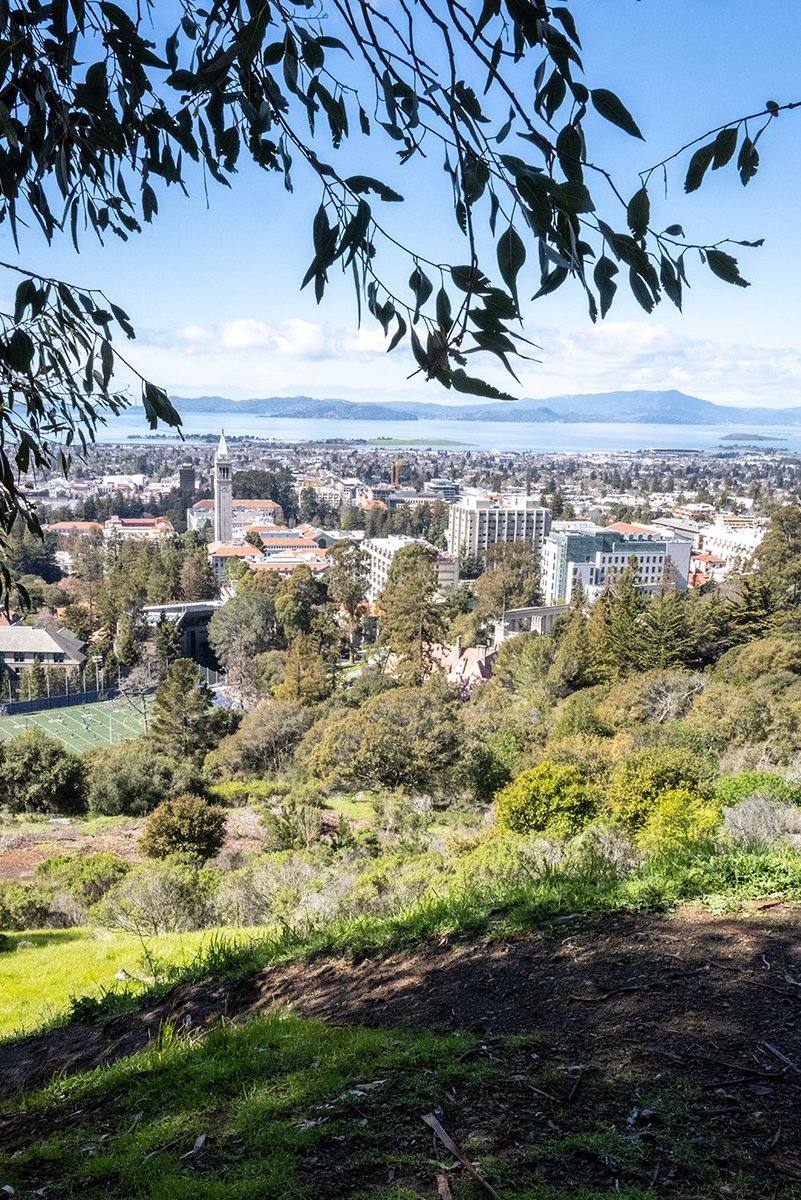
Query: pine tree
[(574, 665), (197, 577), (183, 723), (666, 636), (412, 619), (625, 628), (306, 677), (599, 626)]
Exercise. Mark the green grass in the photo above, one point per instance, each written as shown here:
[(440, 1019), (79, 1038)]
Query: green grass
[(82, 727), (353, 810), (292, 1108), (37, 983), (499, 908)]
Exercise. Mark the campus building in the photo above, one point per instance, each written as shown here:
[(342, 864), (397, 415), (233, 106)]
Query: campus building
[(381, 551), (593, 556), (480, 519)]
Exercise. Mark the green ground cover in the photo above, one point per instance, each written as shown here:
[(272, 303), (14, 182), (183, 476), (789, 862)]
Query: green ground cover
[(292, 1108), (37, 984), (38, 981), (82, 727)]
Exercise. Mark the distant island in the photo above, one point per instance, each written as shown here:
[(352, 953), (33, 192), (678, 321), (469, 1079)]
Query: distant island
[(635, 407), (750, 437)]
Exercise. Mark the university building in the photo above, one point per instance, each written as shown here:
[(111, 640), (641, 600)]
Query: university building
[(480, 519), (593, 556)]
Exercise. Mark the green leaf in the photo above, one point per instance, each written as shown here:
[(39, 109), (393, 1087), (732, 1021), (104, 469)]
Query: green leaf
[(674, 231), (469, 279), (511, 257), (612, 109), (748, 161), (19, 350), (699, 164), (724, 146), (443, 310), (638, 213), (725, 267), (574, 197), (422, 288), (398, 335), (465, 383), (604, 273), (365, 183), (671, 283), (640, 290), (551, 282)]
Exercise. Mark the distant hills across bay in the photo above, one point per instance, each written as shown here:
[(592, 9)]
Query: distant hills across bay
[(640, 407)]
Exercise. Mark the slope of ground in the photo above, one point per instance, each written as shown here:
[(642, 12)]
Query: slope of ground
[(634, 1056)]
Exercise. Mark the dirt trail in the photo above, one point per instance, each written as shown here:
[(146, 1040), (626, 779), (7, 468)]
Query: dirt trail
[(713, 996)]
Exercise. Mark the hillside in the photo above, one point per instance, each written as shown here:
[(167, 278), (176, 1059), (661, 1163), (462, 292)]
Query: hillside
[(628, 1056), (658, 407)]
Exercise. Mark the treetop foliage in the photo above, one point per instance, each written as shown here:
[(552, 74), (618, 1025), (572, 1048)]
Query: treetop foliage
[(96, 116)]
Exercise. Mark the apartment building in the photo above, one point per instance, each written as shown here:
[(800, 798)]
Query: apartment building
[(480, 519)]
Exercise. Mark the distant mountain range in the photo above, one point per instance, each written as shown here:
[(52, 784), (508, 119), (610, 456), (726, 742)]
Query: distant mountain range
[(660, 408)]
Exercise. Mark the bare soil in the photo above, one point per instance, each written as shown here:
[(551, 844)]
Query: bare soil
[(21, 851), (627, 992)]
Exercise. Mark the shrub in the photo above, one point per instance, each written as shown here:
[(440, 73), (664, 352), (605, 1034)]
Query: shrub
[(652, 696), (295, 826), (84, 877), (41, 776), (127, 779), (185, 825), (761, 820), (551, 796), (678, 819), (579, 715), (23, 906), (642, 778), (169, 896), (732, 789)]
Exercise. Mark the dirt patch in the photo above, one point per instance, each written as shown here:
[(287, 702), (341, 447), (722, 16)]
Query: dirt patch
[(718, 996)]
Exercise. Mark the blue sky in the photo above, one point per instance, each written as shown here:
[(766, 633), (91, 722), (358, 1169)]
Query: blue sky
[(214, 291)]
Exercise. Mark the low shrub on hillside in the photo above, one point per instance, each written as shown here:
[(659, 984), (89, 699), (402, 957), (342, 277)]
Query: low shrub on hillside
[(762, 820), (23, 906), (78, 881), (552, 797), (732, 789), (186, 825), (644, 777), (165, 896), (679, 818)]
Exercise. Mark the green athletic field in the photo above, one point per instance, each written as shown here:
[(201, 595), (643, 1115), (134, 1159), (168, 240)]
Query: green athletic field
[(82, 727)]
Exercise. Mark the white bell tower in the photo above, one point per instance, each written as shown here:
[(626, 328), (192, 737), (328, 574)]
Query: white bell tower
[(223, 494)]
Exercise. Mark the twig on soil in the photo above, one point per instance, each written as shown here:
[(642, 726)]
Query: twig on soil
[(577, 1082), (643, 987), (781, 1057), (457, 1152)]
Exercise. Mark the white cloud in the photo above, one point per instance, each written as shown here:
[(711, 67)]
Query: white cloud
[(633, 355), (246, 356)]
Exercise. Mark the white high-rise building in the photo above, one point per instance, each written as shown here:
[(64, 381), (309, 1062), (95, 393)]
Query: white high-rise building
[(480, 519), (223, 494), (381, 551)]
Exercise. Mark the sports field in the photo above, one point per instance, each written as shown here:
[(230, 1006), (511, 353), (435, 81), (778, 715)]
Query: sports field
[(81, 727)]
